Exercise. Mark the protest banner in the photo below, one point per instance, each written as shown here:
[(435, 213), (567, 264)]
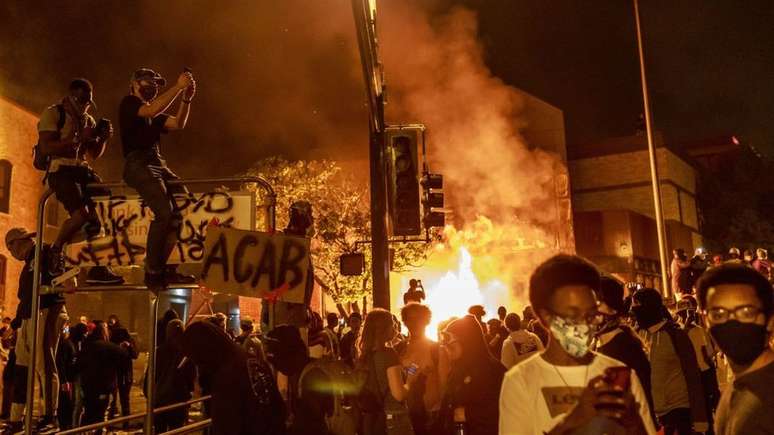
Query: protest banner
[(256, 264)]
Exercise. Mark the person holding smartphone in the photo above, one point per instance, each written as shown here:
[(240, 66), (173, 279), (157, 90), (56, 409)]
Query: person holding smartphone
[(567, 388), (415, 293), (142, 121)]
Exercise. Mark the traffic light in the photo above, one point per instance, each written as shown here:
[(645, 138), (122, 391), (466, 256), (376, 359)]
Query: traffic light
[(432, 199), (404, 207)]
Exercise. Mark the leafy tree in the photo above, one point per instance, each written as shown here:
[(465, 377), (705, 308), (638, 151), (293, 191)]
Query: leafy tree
[(340, 204)]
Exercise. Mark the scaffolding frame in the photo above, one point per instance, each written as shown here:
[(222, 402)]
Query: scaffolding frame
[(151, 372)]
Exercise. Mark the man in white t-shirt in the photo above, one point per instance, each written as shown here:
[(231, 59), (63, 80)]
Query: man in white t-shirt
[(520, 344), (565, 388)]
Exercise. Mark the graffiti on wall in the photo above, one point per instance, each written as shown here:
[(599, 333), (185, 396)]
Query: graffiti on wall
[(126, 220)]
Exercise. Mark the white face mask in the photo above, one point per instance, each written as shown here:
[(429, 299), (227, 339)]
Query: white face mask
[(575, 338)]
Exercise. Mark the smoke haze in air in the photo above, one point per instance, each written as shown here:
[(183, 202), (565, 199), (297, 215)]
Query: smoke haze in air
[(284, 78)]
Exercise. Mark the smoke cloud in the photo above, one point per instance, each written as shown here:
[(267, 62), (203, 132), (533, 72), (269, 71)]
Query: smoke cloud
[(437, 75)]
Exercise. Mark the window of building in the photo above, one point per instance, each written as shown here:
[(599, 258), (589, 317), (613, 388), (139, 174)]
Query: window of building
[(5, 185)]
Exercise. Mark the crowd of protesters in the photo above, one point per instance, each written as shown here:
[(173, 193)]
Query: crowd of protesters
[(588, 355)]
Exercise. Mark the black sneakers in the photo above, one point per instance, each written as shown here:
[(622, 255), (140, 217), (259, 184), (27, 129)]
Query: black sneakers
[(160, 281), (102, 275), (174, 277), (13, 428), (47, 424), (155, 282)]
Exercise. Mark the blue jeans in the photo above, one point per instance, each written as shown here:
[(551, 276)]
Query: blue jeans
[(147, 173)]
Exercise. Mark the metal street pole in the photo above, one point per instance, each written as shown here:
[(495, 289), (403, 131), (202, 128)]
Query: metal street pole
[(365, 24), (662, 253)]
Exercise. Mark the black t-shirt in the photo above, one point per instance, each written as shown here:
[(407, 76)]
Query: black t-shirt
[(382, 360), (745, 406), (138, 133)]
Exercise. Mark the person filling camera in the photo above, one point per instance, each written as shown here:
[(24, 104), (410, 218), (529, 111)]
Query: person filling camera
[(68, 137), (415, 293), (142, 121)]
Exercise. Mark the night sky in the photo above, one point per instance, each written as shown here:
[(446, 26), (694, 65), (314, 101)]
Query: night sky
[(710, 65)]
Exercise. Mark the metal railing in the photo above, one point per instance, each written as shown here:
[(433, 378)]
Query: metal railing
[(104, 424), (36, 287)]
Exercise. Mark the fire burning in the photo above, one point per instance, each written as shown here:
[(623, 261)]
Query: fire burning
[(485, 264), (457, 290)]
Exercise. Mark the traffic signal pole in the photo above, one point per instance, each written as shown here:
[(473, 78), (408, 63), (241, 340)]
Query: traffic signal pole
[(380, 260), (365, 24)]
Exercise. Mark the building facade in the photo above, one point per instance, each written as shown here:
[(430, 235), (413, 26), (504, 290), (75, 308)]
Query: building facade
[(20, 189), (613, 205)]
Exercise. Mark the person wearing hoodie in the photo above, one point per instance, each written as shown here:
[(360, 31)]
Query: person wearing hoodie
[(678, 395), (175, 378), (121, 336), (520, 343), (161, 325), (98, 365), (245, 399), (472, 388), (311, 401), (616, 339)]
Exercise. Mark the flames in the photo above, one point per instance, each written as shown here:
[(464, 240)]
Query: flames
[(485, 264), (457, 290)]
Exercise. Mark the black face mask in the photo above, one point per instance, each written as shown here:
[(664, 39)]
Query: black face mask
[(741, 342), (646, 316), (148, 92)]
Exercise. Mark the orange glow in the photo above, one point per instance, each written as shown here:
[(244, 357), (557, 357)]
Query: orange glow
[(485, 264)]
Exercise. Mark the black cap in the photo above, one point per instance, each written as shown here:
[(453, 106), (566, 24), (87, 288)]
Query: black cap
[(149, 74)]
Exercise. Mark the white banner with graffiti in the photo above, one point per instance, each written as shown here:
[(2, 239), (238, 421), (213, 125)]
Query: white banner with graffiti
[(125, 221)]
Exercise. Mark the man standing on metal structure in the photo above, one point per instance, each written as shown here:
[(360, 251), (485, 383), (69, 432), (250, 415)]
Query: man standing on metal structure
[(67, 137), (52, 318), (142, 121)]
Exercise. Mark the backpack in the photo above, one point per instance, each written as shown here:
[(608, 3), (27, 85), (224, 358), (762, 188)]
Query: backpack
[(344, 390), (41, 160)]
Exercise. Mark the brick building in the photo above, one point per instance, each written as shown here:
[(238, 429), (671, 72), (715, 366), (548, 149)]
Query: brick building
[(613, 205), (20, 190)]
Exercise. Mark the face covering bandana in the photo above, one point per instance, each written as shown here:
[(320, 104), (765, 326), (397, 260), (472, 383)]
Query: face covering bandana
[(741, 342), (575, 338), (148, 92), (646, 317)]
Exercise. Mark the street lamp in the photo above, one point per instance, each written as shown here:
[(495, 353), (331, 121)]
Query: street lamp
[(652, 156)]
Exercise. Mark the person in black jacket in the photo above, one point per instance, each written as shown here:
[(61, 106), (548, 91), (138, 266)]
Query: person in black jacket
[(245, 399), (174, 378), (78, 333), (161, 325), (65, 365), (120, 336), (98, 365), (617, 340)]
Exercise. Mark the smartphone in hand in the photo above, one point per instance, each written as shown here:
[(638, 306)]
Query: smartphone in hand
[(620, 377)]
